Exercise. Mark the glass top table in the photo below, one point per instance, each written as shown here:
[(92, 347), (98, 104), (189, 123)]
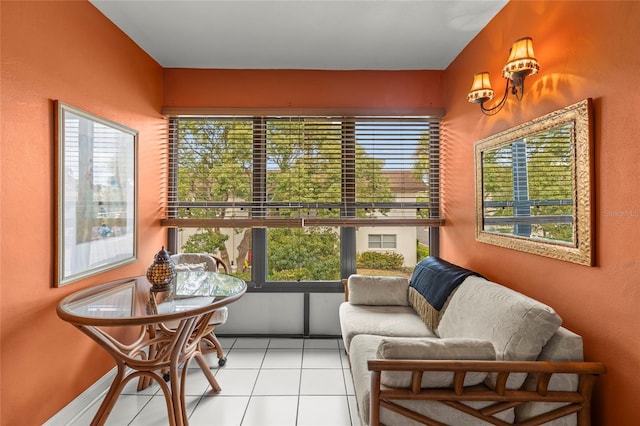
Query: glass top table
[(132, 301), (170, 325)]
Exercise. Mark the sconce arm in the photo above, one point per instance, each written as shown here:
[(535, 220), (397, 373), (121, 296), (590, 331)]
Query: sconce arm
[(496, 108)]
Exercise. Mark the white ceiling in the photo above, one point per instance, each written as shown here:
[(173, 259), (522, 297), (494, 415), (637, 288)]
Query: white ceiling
[(302, 34)]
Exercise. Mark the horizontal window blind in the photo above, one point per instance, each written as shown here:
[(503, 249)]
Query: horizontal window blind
[(303, 171)]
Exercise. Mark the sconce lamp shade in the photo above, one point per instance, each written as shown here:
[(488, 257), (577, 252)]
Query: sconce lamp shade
[(522, 62), (481, 90)]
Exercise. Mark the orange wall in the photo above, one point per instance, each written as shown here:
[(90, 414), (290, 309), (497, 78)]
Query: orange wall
[(363, 92), (71, 52), (68, 51), (585, 49)]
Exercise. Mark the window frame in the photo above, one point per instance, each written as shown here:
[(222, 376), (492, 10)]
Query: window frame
[(382, 241), (347, 230)]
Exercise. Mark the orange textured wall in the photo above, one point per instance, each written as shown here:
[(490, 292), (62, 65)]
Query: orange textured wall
[(401, 92), (71, 52), (586, 49)]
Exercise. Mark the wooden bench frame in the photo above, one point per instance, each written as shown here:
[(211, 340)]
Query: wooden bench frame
[(502, 399)]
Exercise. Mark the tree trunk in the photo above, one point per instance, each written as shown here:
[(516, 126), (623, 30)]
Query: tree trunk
[(224, 254), (243, 250)]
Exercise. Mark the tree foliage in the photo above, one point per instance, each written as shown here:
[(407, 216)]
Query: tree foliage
[(422, 172), (206, 241), (303, 254), (303, 163)]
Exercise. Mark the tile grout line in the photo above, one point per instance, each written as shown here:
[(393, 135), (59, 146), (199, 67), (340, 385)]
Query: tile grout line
[(261, 368), (300, 383), (253, 388)]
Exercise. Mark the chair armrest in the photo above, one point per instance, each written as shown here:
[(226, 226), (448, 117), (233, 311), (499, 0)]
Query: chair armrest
[(578, 401), (346, 289)]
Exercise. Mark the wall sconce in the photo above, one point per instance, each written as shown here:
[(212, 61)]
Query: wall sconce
[(521, 63)]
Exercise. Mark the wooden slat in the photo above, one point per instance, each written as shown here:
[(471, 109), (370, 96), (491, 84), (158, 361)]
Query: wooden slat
[(410, 414), (501, 382), (488, 366), (475, 413), (558, 413), (480, 394), (503, 399), (543, 383), (493, 409), (296, 222), (374, 396), (232, 223), (345, 284), (416, 381), (458, 382)]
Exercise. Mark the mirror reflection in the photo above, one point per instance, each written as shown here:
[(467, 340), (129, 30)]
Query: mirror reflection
[(533, 186), (528, 188)]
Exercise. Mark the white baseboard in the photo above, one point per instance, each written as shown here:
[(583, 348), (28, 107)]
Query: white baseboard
[(86, 399)]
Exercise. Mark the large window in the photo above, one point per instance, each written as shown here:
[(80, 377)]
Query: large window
[(282, 199)]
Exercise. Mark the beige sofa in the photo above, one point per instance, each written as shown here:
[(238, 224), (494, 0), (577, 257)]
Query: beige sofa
[(487, 355)]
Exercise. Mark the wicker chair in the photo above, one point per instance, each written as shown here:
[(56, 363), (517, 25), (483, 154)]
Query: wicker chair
[(210, 342)]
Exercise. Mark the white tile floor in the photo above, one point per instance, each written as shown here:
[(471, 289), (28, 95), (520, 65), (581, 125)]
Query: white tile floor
[(265, 382)]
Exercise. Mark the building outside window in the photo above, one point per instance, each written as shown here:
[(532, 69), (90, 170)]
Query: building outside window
[(286, 201), (382, 241)]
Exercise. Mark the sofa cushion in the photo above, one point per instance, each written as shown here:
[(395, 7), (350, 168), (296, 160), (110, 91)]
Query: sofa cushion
[(433, 349), (374, 290), (516, 325), (400, 321)]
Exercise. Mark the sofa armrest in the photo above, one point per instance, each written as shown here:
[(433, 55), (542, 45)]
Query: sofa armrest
[(578, 401)]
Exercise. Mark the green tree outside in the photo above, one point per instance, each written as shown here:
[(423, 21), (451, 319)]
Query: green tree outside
[(304, 161)]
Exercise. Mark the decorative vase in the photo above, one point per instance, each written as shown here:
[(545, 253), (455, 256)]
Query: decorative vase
[(162, 272)]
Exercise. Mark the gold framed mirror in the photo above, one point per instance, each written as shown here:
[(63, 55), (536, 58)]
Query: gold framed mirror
[(534, 186)]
